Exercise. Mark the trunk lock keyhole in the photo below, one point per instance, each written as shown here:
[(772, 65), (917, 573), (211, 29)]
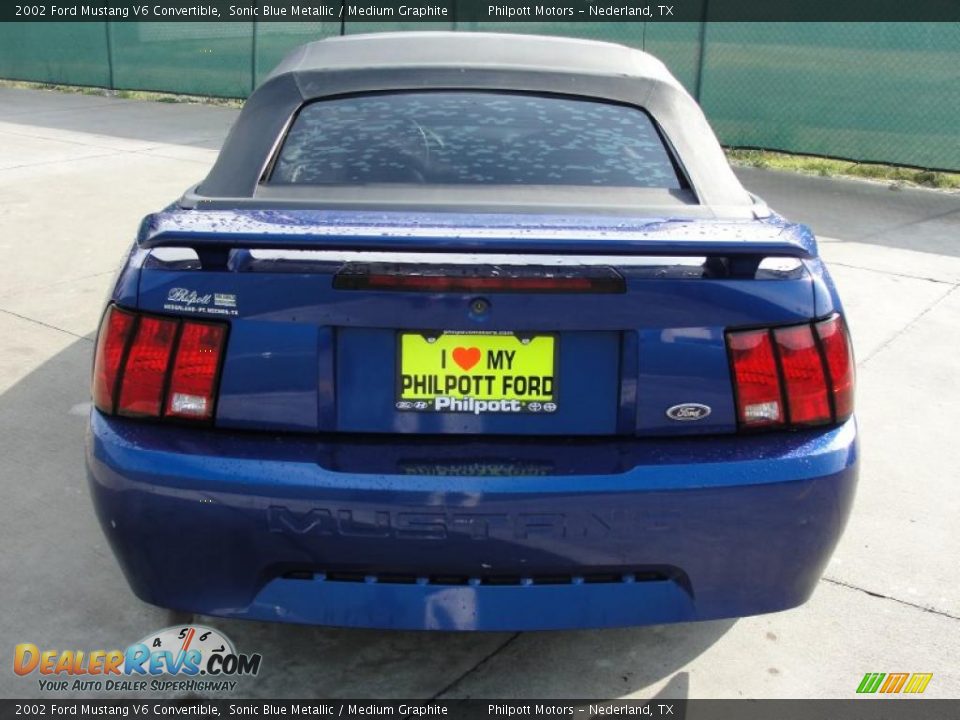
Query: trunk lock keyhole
[(479, 308)]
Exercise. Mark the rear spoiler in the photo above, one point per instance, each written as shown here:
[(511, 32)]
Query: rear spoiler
[(214, 234)]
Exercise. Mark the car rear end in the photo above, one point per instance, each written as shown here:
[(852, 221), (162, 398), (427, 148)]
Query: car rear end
[(450, 418), (261, 456)]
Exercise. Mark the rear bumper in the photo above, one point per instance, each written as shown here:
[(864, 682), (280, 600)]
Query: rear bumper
[(470, 535)]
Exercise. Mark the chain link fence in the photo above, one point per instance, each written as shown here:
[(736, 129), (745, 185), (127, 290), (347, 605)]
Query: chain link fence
[(869, 92)]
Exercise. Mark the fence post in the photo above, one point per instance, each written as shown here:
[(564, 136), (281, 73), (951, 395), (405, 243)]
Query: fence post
[(109, 36), (701, 50), (254, 69)]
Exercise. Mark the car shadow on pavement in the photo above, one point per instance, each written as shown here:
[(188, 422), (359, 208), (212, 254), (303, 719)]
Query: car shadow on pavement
[(63, 588)]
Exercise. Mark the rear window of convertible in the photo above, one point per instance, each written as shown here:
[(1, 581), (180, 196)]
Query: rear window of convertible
[(473, 138)]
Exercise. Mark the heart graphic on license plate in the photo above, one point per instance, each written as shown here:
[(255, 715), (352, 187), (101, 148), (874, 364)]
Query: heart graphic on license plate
[(466, 357)]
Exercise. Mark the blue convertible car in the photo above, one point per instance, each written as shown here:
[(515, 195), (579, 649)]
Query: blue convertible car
[(473, 332)]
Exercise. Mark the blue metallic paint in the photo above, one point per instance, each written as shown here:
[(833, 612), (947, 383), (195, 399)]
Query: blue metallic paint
[(680, 365), (282, 349), (310, 298), (486, 232), (127, 283), (210, 521), (471, 607), (290, 350), (826, 299)]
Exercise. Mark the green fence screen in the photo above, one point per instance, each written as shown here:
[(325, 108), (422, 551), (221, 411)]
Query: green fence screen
[(883, 92)]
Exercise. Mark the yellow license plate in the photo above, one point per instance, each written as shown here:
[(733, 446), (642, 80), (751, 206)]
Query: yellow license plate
[(464, 372)]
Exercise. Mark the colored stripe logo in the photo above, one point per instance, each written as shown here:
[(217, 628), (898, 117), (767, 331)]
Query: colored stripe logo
[(889, 683)]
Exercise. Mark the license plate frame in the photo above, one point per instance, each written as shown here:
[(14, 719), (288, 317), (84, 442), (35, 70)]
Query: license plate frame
[(504, 388)]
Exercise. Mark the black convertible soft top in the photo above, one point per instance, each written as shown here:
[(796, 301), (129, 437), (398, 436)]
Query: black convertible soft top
[(478, 61)]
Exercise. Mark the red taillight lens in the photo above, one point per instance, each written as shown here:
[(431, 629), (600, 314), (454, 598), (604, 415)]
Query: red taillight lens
[(839, 356), (141, 391), (195, 371), (428, 283), (111, 345), (478, 278), (756, 378), (148, 366), (815, 363), (806, 385)]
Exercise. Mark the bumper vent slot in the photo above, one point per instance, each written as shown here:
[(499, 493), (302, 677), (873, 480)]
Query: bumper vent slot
[(453, 580)]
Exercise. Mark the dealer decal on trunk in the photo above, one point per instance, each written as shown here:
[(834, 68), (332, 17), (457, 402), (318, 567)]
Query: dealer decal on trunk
[(184, 300)]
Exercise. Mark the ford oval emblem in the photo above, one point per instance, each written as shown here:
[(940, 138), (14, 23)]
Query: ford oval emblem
[(688, 411)]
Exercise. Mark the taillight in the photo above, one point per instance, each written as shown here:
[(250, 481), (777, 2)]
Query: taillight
[(757, 382), (141, 390), (840, 367), (111, 345), (803, 376), (792, 376), (150, 366), (195, 371)]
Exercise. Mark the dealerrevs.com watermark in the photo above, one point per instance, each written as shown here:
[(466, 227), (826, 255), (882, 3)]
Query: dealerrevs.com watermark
[(189, 658)]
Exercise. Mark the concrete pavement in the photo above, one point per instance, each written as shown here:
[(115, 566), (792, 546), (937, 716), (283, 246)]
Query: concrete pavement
[(76, 175), (863, 211)]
